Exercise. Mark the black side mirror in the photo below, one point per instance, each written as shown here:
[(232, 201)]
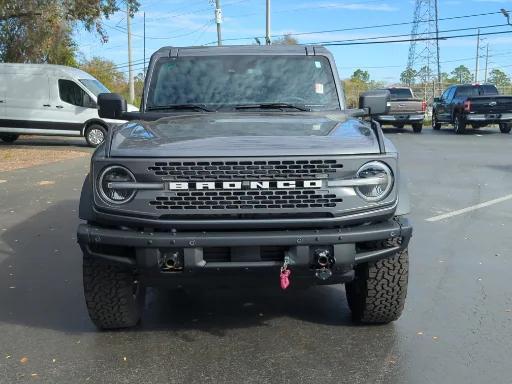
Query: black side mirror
[(111, 106), (376, 102), (437, 99)]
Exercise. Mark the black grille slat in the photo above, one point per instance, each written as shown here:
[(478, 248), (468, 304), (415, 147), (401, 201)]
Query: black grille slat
[(244, 170), (246, 199)]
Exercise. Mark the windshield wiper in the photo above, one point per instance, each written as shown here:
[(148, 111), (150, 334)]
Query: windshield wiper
[(180, 106), (274, 106)]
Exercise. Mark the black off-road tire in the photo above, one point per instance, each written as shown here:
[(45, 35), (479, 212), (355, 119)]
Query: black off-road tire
[(436, 125), (378, 292), (9, 137), (505, 128), (95, 134), (459, 124), (417, 127), (114, 299)]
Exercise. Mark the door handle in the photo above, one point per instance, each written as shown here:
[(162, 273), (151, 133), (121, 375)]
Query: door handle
[(46, 105), (59, 106)]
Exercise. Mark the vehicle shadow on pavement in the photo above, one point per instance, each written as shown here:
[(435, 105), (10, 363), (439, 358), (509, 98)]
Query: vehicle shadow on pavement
[(41, 280), (47, 142)]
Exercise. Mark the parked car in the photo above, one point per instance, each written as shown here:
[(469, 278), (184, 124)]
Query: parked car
[(244, 166), (44, 99), (405, 108), (477, 105)]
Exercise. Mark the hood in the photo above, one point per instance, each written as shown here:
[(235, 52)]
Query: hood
[(244, 134)]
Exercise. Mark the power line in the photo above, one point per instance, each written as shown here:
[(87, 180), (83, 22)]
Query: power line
[(361, 28)]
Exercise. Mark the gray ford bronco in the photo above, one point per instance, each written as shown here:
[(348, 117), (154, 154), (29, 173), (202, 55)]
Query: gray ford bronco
[(244, 165)]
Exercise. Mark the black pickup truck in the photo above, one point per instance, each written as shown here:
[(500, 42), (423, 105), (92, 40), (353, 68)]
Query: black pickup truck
[(472, 104), (244, 165)]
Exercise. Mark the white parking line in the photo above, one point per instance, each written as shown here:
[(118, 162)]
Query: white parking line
[(470, 209)]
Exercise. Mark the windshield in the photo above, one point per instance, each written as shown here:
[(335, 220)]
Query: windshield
[(225, 82), (94, 86)]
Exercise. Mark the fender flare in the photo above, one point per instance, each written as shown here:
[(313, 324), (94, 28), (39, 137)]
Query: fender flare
[(85, 210)]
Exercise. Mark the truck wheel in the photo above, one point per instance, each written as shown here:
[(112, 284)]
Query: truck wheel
[(459, 124), (505, 128), (95, 135), (8, 137), (113, 296), (436, 125), (417, 127), (377, 295)]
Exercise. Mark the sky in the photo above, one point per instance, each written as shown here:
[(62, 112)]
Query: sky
[(191, 22)]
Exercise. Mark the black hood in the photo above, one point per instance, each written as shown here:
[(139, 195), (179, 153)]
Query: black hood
[(244, 134)]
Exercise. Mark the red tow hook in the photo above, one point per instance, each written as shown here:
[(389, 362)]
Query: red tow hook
[(285, 273)]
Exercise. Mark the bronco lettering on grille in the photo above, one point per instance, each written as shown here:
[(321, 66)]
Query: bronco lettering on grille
[(227, 185)]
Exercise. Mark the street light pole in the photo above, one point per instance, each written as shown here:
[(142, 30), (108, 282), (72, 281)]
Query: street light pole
[(477, 55), (131, 86), (267, 24)]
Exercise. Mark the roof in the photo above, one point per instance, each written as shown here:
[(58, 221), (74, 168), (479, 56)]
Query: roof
[(243, 50), (70, 71)]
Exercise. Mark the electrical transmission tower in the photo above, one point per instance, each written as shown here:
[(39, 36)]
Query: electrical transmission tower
[(423, 63)]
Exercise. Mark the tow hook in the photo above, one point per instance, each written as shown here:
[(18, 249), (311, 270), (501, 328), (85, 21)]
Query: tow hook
[(324, 261), (171, 261)]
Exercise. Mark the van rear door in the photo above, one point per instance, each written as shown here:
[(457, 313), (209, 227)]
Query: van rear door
[(71, 105)]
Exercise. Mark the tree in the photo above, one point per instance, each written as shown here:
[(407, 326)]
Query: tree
[(408, 76), (462, 74), (360, 76), (106, 72), (499, 78), (40, 31), (287, 39)]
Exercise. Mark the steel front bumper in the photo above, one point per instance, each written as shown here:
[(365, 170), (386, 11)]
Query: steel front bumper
[(144, 249)]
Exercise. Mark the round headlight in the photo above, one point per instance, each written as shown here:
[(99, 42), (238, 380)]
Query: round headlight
[(380, 181), (109, 191)]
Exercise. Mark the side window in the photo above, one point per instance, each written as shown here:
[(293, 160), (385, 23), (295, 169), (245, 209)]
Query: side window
[(71, 93), (444, 96)]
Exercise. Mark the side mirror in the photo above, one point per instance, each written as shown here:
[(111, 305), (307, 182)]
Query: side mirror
[(437, 99), (111, 106), (376, 102)]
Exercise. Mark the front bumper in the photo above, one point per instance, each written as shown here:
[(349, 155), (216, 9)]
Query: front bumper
[(144, 250), (489, 118), (412, 118)]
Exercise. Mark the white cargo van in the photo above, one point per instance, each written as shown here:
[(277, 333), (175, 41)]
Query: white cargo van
[(44, 99)]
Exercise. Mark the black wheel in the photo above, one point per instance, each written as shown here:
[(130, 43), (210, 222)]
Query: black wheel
[(377, 295), (9, 137), (436, 125), (95, 134), (505, 128), (417, 127), (459, 124), (113, 296)]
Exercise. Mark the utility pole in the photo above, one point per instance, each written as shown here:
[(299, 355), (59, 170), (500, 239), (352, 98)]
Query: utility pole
[(437, 48), (477, 54), (131, 86), (267, 24), (218, 20), (486, 61), (144, 54)]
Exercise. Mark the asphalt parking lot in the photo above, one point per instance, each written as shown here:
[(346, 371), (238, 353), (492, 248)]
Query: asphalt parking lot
[(455, 329)]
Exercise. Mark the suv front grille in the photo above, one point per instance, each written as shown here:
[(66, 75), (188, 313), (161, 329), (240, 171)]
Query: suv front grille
[(241, 200), (239, 170)]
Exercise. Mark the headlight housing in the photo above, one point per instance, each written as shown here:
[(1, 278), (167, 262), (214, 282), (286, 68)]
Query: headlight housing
[(112, 194), (383, 184)]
